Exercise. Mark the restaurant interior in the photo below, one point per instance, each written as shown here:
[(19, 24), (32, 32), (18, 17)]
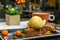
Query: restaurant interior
[(29, 9), (31, 6)]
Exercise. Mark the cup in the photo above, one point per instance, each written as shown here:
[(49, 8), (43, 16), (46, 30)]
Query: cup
[(45, 15)]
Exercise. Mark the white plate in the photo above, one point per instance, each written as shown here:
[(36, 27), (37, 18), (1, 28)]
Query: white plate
[(58, 28), (37, 37), (23, 24)]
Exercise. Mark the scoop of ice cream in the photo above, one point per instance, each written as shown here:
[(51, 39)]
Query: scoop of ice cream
[(36, 22)]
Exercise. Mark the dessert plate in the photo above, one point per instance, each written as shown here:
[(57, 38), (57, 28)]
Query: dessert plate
[(51, 36)]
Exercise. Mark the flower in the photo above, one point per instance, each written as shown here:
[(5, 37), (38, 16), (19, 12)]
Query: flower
[(14, 4), (7, 6), (10, 6), (12, 9), (19, 8)]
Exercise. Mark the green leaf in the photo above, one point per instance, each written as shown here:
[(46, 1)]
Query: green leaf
[(15, 7), (20, 12), (24, 31), (7, 11), (16, 11)]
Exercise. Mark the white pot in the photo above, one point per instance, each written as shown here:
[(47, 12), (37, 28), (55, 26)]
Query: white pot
[(12, 19)]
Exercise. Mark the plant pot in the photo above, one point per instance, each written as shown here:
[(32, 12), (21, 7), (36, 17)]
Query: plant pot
[(12, 19)]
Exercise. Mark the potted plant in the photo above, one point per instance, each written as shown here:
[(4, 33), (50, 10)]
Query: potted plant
[(13, 15)]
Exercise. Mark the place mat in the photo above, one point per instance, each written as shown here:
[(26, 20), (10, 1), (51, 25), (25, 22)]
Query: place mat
[(23, 24)]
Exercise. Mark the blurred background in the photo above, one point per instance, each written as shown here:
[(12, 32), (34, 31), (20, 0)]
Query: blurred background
[(30, 6)]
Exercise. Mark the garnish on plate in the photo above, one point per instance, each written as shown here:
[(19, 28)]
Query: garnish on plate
[(5, 32), (24, 31), (18, 33), (47, 33)]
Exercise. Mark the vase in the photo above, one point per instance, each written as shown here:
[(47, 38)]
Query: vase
[(12, 19)]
